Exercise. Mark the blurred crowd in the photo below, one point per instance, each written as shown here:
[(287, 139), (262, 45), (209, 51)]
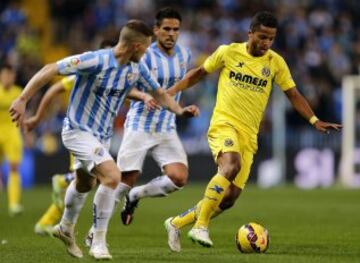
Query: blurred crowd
[(320, 40)]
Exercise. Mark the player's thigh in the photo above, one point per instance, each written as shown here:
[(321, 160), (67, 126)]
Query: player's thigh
[(13, 147), (169, 150), (133, 149), (87, 150), (248, 146), (223, 139), (246, 163)]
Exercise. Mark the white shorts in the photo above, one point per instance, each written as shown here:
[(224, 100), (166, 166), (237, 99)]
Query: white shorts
[(87, 150), (165, 148)]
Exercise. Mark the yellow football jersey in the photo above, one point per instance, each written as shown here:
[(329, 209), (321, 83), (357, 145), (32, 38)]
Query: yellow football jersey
[(7, 96), (10, 136), (245, 84), (68, 83)]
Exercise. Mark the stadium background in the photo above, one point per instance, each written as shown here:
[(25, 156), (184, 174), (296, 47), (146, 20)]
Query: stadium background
[(320, 41)]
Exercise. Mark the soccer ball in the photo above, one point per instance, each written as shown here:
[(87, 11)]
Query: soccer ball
[(252, 238)]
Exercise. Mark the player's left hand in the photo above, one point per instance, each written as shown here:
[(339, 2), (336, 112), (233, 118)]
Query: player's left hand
[(190, 111), (326, 127), (151, 103), (17, 111)]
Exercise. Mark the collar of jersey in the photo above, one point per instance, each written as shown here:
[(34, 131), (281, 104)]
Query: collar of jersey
[(157, 49), (251, 56)]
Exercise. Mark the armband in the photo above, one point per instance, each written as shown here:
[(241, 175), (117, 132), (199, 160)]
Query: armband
[(313, 119)]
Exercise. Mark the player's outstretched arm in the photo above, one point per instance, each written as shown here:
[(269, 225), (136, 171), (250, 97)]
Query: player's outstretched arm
[(302, 106), (150, 102), (168, 102), (51, 93), (190, 79), (42, 77)]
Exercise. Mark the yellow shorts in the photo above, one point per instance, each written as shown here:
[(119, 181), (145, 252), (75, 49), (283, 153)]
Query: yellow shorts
[(11, 146), (224, 137)]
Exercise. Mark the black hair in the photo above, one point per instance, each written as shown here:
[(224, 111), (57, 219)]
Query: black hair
[(166, 12), (264, 18), (7, 66)]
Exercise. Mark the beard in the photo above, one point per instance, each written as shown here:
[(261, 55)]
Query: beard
[(167, 46)]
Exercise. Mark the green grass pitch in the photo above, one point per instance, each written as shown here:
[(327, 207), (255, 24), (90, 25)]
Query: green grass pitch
[(305, 226)]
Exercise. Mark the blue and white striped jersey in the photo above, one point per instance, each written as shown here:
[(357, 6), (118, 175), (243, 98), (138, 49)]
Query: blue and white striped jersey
[(100, 88), (167, 70)]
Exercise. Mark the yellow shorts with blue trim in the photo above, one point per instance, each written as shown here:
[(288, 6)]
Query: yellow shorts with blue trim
[(223, 137)]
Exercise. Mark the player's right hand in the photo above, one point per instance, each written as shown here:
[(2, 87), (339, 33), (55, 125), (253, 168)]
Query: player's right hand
[(31, 123), (17, 111), (325, 127), (190, 111)]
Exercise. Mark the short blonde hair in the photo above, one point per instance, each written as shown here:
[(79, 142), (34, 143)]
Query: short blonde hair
[(135, 30)]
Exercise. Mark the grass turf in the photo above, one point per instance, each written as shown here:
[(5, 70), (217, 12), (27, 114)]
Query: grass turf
[(320, 225)]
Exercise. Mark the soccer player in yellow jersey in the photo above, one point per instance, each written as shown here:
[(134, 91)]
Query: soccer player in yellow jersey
[(10, 137), (247, 73)]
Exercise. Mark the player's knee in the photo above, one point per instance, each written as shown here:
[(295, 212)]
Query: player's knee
[(130, 178), (112, 180), (178, 173), (179, 178), (231, 169)]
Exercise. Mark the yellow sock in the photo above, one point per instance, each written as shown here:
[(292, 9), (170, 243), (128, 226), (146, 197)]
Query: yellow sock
[(63, 183), (51, 216), (189, 216), (214, 193), (185, 218), (60, 181), (217, 211), (14, 189)]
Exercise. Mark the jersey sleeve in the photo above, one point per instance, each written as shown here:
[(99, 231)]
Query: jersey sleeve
[(68, 82), (146, 61), (146, 79), (216, 59), (86, 63), (283, 76)]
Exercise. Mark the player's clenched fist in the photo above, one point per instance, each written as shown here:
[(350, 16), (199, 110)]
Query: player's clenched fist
[(190, 111)]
